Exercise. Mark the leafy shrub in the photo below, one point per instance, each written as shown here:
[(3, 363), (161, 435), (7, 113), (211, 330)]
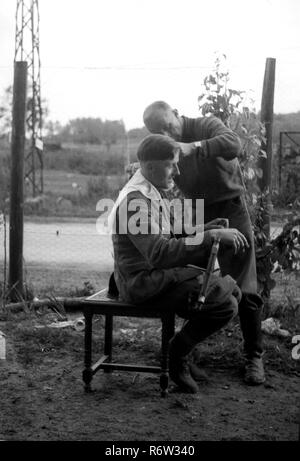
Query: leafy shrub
[(87, 290), (82, 160), (233, 107), (80, 164), (97, 187)]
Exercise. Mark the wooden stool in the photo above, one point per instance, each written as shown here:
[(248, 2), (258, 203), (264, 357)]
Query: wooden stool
[(101, 304)]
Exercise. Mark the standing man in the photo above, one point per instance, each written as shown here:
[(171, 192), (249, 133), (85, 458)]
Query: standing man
[(209, 169), (151, 264)]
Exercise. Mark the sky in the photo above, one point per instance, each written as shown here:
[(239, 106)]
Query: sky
[(111, 58)]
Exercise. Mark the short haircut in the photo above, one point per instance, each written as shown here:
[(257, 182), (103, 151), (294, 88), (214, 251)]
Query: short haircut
[(150, 113), (157, 147)]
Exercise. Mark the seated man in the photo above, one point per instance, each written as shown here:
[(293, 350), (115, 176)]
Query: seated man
[(151, 263)]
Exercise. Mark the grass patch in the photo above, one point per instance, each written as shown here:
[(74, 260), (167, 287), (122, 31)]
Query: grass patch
[(66, 282)]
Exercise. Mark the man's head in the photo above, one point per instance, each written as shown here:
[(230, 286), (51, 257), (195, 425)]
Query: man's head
[(160, 118), (159, 156)]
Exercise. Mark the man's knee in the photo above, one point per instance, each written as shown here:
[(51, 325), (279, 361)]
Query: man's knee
[(251, 301), (223, 311)]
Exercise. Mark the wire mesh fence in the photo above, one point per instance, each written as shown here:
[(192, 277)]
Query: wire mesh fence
[(61, 255)]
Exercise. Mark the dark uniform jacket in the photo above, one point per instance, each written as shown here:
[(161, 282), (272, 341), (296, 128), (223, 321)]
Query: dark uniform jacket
[(217, 177), (146, 265)]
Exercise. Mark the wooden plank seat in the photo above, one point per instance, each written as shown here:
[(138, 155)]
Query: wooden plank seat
[(102, 304)]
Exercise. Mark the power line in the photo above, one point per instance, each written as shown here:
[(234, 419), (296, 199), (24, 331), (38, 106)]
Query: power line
[(126, 68)]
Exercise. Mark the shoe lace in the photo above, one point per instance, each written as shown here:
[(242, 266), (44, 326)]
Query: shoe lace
[(253, 365)]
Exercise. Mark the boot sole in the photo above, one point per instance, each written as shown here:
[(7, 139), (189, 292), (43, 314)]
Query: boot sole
[(254, 383)]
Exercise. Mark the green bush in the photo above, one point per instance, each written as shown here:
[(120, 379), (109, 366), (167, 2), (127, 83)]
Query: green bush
[(233, 107), (97, 187), (85, 160), (80, 164)]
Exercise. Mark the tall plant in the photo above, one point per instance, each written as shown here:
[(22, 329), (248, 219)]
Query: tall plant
[(236, 109)]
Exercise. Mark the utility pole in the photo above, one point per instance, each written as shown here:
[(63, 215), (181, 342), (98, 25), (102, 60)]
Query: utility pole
[(27, 49), (17, 179)]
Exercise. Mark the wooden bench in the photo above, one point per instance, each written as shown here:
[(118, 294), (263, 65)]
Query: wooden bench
[(101, 304)]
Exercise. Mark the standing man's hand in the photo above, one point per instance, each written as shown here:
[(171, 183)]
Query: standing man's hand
[(192, 148), (186, 148)]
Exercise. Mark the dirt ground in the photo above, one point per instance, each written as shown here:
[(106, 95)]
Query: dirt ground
[(43, 399)]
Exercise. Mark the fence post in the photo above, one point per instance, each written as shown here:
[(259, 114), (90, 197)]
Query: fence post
[(280, 160), (17, 181), (267, 102)]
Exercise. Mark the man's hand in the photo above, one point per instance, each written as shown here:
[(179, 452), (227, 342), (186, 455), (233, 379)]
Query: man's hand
[(186, 148), (192, 147), (231, 237), (218, 223)]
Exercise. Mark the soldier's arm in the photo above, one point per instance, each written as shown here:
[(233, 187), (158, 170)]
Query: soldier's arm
[(161, 251), (212, 139)]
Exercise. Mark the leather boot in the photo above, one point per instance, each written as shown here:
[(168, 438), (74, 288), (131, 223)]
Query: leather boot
[(179, 366), (254, 371), (250, 319)]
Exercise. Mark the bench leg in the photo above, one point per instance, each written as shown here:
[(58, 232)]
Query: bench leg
[(108, 338), (87, 374), (168, 327)]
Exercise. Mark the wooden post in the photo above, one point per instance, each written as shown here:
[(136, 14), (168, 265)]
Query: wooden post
[(17, 180), (280, 160), (127, 150), (265, 164)]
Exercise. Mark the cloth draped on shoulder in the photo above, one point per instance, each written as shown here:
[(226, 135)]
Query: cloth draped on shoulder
[(139, 183)]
